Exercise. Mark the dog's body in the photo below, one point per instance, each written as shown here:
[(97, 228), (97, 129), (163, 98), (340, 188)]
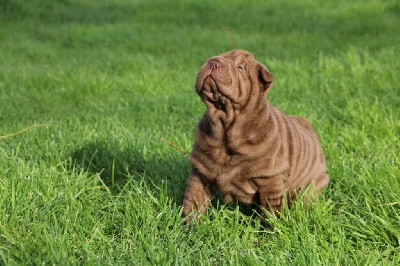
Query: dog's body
[(245, 148)]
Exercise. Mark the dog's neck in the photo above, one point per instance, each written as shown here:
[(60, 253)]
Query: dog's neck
[(233, 127)]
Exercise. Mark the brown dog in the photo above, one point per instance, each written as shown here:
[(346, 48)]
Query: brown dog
[(244, 147)]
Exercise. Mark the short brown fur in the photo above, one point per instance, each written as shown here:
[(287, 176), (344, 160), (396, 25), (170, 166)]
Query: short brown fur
[(244, 147)]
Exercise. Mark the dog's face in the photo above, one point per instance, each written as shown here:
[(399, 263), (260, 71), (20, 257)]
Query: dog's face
[(234, 76)]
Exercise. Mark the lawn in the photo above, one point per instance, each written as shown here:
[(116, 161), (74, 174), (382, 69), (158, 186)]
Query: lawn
[(98, 111)]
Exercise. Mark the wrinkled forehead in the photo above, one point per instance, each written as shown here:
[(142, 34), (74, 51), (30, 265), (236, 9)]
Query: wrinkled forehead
[(238, 55)]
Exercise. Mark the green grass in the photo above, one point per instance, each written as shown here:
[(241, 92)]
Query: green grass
[(110, 86)]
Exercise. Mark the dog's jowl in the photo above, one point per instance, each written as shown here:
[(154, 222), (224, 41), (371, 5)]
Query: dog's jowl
[(245, 148)]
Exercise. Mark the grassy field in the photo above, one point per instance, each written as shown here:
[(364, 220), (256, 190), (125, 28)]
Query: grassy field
[(97, 116)]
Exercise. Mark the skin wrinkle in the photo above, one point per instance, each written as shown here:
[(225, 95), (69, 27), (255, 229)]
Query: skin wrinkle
[(245, 148), (294, 156), (311, 159)]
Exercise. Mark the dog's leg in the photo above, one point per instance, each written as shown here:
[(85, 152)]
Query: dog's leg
[(271, 192), (197, 196), (321, 182), (309, 192)]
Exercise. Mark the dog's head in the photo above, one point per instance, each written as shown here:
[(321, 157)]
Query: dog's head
[(233, 76)]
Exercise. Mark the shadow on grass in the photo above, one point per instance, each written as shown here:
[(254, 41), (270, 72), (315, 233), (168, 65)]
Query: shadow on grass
[(116, 166)]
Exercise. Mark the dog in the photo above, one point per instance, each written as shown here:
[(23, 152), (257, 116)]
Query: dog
[(245, 148)]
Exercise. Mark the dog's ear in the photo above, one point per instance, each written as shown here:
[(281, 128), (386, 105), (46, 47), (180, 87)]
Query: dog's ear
[(264, 76)]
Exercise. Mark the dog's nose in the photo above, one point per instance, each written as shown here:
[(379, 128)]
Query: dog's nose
[(213, 64)]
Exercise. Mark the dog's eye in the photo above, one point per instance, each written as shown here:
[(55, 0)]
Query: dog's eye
[(242, 67)]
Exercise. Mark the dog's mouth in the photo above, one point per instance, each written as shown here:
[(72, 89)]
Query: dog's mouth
[(210, 92)]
